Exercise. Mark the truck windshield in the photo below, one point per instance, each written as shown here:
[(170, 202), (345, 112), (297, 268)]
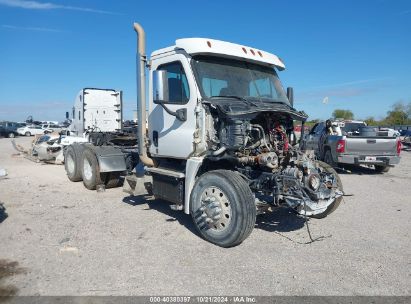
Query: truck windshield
[(222, 77)]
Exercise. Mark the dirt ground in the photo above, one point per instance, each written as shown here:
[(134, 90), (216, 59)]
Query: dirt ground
[(57, 238)]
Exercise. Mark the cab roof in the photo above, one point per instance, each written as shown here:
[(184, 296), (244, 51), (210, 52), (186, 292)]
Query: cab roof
[(205, 46)]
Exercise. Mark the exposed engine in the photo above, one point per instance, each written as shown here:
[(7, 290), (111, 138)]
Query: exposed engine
[(262, 148)]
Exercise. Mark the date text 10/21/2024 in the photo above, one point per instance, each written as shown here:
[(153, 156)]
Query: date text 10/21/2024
[(203, 299)]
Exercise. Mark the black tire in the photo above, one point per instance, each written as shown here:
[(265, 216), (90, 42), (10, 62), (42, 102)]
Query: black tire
[(113, 180), (11, 135), (381, 169), (27, 133), (328, 158), (72, 158), (333, 206), (90, 170), (236, 195)]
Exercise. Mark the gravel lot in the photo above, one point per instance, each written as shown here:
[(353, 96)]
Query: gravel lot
[(61, 239)]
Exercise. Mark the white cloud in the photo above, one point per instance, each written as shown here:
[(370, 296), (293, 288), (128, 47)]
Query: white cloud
[(35, 5), (38, 29), (354, 82)]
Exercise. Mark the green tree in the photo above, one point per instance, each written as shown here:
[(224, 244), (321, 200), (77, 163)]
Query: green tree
[(398, 115), (343, 114), (370, 121)]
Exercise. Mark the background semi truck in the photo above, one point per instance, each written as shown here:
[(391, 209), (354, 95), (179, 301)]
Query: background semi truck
[(96, 110), (96, 149), (219, 143)]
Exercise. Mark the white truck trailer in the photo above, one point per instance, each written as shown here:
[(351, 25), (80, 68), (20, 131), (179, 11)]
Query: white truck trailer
[(96, 110)]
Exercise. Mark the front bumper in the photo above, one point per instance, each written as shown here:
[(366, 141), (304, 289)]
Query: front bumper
[(369, 160)]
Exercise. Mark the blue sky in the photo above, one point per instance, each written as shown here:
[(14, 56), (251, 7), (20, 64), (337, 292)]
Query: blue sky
[(356, 54)]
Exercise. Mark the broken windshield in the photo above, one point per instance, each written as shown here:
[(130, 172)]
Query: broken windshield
[(222, 77)]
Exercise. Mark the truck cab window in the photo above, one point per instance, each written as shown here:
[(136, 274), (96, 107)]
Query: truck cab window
[(214, 87), (178, 89)]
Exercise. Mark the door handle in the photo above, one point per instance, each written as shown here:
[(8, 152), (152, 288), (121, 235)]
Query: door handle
[(155, 138)]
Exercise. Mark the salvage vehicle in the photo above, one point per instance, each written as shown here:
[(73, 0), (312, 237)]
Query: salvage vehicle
[(220, 143), (357, 144), (30, 130), (47, 148), (50, 128)]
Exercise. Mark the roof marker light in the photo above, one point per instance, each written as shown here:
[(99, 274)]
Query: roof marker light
[(209, 43), (259, 53), (252, 51), (244, 50)]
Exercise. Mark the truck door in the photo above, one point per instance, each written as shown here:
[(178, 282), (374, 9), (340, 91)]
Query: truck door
[(309, 138), (314, 136), (169, 136)]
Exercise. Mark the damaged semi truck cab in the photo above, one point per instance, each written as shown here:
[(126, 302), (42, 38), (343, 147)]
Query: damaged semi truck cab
[(219, 143)]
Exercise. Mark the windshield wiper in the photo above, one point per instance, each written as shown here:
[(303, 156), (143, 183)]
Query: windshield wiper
[(229, 96), (235, 97)]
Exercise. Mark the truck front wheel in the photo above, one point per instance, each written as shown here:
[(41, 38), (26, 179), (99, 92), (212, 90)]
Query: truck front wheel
[(90, 170), (223, 208), (334, 205)]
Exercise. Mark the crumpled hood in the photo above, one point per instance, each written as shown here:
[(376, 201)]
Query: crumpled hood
[(238, 107)]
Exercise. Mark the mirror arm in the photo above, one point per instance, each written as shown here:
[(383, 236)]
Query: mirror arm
[(180, 114)]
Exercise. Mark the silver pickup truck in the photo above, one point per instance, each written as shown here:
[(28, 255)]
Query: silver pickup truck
[(354, 144)]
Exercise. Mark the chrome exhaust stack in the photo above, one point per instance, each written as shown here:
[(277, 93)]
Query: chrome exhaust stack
[(141, 95)]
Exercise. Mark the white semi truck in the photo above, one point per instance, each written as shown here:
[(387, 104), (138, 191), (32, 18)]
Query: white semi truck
[(96, 150), (96, 110), (219, 143)]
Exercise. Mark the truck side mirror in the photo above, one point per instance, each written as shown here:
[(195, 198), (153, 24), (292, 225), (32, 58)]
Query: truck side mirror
[(160, 86), (290, 95)]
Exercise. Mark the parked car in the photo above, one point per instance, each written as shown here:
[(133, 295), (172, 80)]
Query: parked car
[(49, 128), (30, 130), (10, 128), (354, 143), (7, 133)]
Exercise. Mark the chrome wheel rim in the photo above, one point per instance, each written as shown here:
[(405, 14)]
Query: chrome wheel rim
[(215, 209), (87, 171), (70, 163)]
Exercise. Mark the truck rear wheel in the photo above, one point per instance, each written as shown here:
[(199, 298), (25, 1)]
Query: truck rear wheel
[(223, 208), (90, 170), (71, 163)]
